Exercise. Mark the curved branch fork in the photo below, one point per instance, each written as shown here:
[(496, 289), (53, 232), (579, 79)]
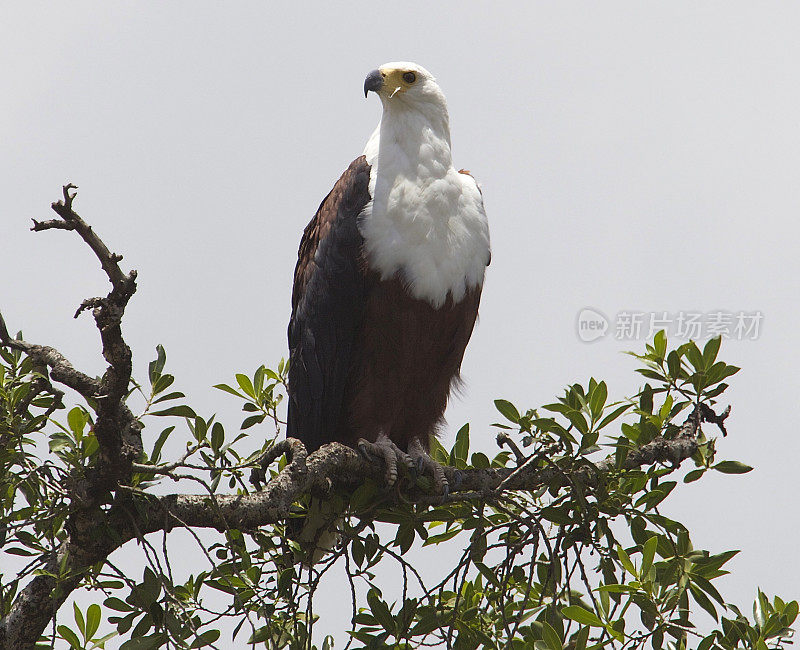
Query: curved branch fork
[(124, 285), (116, 428)]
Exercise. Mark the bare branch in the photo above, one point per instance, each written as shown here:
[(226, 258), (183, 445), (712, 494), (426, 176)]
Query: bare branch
[(61, 370), (503, 439), (167, 470), (123, 283), (51, 224), (116, 428)]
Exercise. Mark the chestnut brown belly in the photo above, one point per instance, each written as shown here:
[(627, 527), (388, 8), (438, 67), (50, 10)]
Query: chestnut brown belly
[(407, 360)]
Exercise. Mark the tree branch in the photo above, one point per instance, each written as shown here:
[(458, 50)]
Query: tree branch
[(122, 283), (116, 428), (61, 370), (94, 532), (334, 467)]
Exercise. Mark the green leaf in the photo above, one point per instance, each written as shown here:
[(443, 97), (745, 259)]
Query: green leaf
[(380, 610), (461, 447), (660, 344), (217, 436), (507, 410), (228, 389), (651, 374), (143, 642), (442, 537), (707, 587), (77, 420), (674, 364), (551, 637), (246, 385), (720, 371), (710, 351), (117, 604), (162, 383), (156, 367), (169, 397), (625, 559), (704, 601), (790, 611), (616, 589), (480, 460), (438, 452), (79, 621), (694, 475), (252, 420), (581, 638), (694, 355), (206, 638), (648, 553), (100, 642), (150, 588), (578, 421), (260, 635), (92, 620), (731, 467), (707, 642), (613, 415), (581, 615), (598, 400), (14, 550), (155, 456), (182, 411), (69, 636)]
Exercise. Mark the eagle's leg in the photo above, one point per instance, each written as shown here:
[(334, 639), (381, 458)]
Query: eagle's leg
[(428, 465), (391, 454)]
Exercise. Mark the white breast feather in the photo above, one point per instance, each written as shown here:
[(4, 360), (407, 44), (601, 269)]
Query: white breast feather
[(426, 220)]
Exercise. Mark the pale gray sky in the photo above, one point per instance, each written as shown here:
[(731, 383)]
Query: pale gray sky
[(633, 157)]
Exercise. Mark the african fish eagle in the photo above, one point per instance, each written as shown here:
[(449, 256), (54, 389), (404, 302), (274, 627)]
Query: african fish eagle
[(387, 285)]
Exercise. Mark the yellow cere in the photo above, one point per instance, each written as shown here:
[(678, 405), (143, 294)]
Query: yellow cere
[(397, 80)]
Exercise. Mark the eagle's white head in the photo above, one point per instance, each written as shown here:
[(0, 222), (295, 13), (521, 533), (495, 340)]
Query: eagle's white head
[(407, 85), (414, 109)]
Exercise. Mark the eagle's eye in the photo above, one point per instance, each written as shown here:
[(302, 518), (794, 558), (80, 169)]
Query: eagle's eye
[(409, 77)]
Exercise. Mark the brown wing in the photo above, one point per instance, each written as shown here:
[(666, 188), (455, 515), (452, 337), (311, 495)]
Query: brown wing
[(327, 307)]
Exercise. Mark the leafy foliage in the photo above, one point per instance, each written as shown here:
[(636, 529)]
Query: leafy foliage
[(576, 563)]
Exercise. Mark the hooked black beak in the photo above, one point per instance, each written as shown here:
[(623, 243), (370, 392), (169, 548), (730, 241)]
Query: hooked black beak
[(373, 82)]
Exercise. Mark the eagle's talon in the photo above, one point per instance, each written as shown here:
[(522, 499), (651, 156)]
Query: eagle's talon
[(458, 479), (391, 454), (429, 466), (362, 448)]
